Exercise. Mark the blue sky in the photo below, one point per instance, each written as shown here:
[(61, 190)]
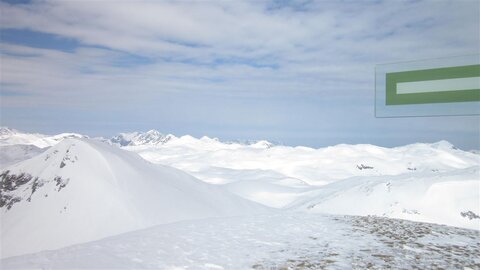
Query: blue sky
[(295, 72)]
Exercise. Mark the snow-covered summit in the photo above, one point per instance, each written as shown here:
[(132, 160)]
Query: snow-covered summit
[(151, 137), (262, 144), (443, 145), (81, 190), (6, 131), (156, 138)]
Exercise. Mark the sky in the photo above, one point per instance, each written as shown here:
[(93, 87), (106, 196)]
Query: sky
[(292, 72)]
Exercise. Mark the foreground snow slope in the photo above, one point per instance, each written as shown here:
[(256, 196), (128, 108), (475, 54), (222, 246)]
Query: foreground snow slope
[(279, 241), (81, 190)]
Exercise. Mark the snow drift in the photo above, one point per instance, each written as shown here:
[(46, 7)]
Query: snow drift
[(81, 190)]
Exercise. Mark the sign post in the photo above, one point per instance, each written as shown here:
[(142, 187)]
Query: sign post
[(446, 86)]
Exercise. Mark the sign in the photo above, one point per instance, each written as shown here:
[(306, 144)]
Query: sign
[(446, 86)]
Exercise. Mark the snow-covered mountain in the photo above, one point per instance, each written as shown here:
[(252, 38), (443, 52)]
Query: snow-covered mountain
[(316, 167), (151, 137), (73, 191), (155, 138), (278, 176), (9, 136), (11, 154), (423, 182), (81, 190)]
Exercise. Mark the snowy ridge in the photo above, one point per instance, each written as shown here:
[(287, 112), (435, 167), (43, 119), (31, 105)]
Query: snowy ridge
[(9, 136), (151, 137), (156, 138), (81, 190)]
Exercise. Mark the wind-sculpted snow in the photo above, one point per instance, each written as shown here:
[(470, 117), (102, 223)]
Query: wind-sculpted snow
[(81, 190), (279, 241)]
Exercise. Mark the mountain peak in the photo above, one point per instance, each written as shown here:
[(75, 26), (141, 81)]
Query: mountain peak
[(151, 137), (443, 144), (154, 132), (6, 131)]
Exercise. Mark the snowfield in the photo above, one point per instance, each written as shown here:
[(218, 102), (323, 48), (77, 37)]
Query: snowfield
[(280, 241), (443, 198), (149, 200), (421, 182)]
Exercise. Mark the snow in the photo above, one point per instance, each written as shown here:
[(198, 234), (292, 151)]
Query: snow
[(164, 201), (10, 136), (272, 241), (422, 182), (429, 197), (316, 167), (87, 190), (151, 137), (11, 154)]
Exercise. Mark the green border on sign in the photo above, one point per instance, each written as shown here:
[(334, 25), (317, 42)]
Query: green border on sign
[(392, 98)]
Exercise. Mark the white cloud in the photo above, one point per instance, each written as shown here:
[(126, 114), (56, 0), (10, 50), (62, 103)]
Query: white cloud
[(324, 42), (233, 49)]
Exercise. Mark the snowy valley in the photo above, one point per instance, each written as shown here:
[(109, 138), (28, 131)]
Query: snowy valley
[(150, 200)]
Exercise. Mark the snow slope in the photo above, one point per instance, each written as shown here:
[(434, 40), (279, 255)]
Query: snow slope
[(316, 167), (10, 154), (9, 136), (280, 241), (81, 190), (423, 182), (451, 198)]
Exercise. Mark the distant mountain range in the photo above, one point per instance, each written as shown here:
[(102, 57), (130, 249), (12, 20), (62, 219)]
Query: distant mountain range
[(151, 137), (9, 136), (66, 189)]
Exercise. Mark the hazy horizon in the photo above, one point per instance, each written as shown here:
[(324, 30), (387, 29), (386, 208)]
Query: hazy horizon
[(108, 136)]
